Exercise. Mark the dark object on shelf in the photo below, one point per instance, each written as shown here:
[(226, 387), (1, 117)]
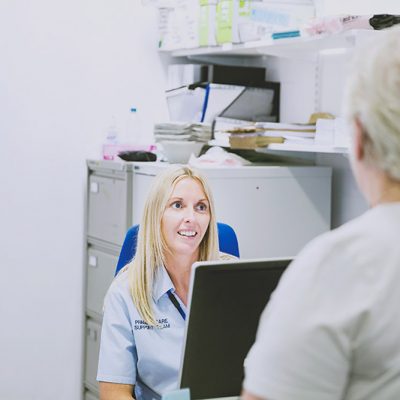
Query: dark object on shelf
[(383, 21), (137, 156), (233, 75)]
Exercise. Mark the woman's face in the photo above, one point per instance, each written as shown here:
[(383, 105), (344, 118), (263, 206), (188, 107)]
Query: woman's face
[(186, 217)]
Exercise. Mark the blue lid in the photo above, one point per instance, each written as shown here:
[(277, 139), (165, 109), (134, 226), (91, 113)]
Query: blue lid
[(133, 109)]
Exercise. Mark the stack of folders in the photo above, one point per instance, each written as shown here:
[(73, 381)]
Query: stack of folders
[(200, 132), (261, 134), (182, 131)]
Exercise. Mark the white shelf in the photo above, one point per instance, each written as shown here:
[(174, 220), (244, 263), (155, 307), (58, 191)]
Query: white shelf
[(305, 148), (314, 148), (290, 47)]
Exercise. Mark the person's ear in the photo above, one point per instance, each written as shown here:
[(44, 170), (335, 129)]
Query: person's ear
[(359, 139)]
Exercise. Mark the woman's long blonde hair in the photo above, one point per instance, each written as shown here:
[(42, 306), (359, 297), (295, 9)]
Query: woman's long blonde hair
[(151, 245)]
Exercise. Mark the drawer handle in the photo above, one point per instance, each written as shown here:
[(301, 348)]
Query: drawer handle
[(94, 187), (92, 334), (93, 261)]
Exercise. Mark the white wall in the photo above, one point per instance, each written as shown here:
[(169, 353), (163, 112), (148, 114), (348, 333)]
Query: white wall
[(66, 67)]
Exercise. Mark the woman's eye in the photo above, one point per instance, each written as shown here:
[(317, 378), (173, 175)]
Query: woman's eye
[(176, 205), (201, 207)]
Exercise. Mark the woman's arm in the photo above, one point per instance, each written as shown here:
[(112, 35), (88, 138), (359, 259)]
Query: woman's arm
[(115, 391), (116, 372)]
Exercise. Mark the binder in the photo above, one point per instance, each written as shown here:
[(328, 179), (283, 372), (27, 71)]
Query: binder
[(217, 98)]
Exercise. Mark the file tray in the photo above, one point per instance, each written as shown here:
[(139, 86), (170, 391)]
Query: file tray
[(185, 103), (255, 104)]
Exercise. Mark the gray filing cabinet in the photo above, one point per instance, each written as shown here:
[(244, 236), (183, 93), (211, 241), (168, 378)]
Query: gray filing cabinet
[(275, 211), (108, 217)]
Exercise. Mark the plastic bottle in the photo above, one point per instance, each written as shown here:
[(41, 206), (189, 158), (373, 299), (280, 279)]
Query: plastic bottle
[(111, 141), (133, 128), (112, 132)]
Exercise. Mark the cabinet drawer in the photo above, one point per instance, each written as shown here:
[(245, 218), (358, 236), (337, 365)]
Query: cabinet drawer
[(108, 217), (93, 330), (90, 396), (100, 273)]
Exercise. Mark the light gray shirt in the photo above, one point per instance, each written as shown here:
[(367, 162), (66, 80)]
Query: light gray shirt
[(332, 328)]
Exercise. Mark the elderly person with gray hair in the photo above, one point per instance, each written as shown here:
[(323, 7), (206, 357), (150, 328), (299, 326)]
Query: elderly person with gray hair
[(332, 328)]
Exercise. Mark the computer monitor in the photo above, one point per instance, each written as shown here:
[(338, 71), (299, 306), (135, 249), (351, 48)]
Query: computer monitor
[(225, 303)]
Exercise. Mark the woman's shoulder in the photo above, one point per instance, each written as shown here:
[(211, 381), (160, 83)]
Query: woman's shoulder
[(120, 283), (118, 297), (122, 273), (226, 257)]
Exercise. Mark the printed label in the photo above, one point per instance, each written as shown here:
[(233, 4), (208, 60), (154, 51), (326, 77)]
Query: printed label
[(163, 323)]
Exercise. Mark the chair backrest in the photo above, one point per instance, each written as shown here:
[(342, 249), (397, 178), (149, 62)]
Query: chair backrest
[(226, 236)]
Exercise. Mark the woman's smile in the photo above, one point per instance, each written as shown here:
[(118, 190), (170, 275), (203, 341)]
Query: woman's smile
[(187, 233)]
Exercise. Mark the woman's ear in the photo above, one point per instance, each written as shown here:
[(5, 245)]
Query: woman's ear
[(359, 139)]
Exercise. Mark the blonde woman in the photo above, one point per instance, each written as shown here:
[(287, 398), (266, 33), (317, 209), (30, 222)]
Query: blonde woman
[(145, 307)]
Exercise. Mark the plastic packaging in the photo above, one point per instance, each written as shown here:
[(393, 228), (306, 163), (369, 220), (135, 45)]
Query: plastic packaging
[(217, 156), (336, 23), (131, 138)]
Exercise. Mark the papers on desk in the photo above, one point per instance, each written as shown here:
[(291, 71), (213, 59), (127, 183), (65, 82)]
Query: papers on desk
[(303, 130), (182, 131), (261, 134), (327, 132)]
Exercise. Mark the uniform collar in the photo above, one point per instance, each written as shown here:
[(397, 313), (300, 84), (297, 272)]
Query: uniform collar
[(162, 283)]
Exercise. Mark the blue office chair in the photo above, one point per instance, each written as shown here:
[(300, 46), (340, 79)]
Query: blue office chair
[(226, 235)]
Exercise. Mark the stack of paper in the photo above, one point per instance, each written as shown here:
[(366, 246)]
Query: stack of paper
[(182, 131), (261, 134), (252, 141), (172, 131), (201, 132), (223, 126), (286, 130)]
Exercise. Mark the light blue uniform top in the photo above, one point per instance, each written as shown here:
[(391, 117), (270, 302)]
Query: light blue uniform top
[(132, 352)]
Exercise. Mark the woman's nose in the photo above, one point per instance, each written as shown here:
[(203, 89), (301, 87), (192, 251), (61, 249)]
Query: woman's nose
[(189, 215)]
